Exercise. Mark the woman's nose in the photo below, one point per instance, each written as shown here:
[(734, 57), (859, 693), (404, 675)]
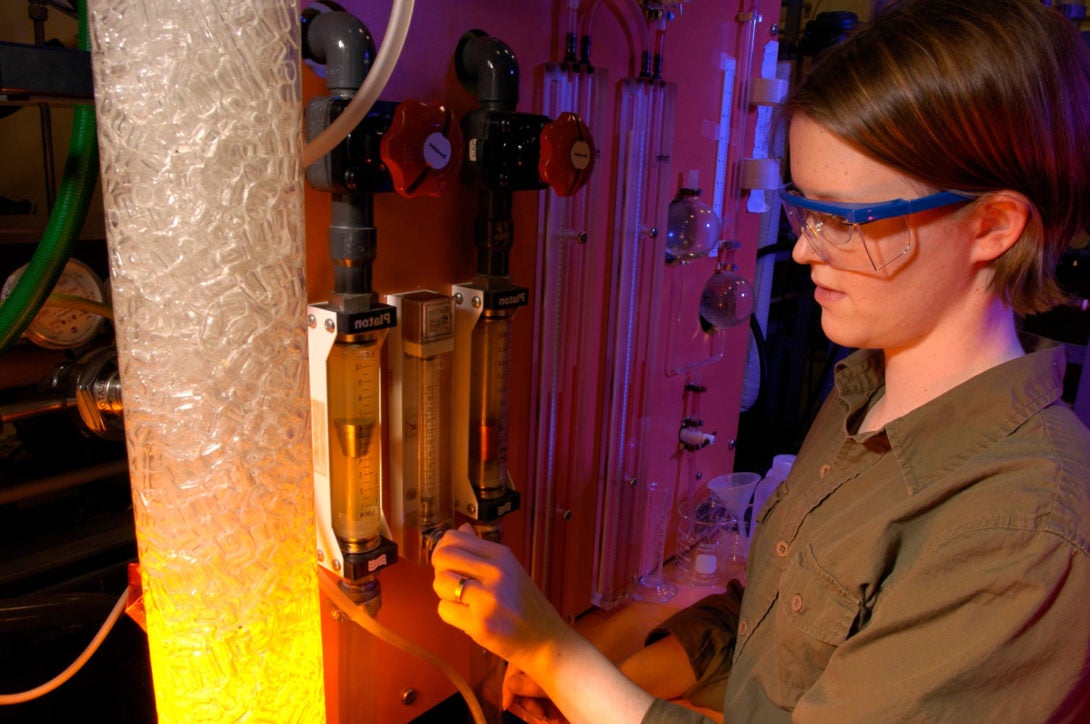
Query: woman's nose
[(803, 251)]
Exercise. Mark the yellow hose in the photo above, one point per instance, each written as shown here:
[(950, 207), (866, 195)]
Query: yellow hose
[(80, 304)]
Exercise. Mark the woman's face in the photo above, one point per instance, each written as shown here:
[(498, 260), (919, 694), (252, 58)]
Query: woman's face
[(903, 304)]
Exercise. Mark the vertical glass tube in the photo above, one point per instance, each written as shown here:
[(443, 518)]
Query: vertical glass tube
[(488, 402), (199, 128), (431, 450), (353, 374), (651, 586), (645, 122)]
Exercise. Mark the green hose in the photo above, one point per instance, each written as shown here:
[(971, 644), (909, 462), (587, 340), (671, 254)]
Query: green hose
[(65, 221)]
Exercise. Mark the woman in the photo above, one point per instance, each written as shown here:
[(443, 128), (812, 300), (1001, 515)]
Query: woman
[(929, 556)]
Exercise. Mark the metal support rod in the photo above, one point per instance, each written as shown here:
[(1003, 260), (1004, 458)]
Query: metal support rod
[(62, 481), (38, 13)]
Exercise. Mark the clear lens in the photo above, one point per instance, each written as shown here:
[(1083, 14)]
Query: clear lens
[(850, 246)]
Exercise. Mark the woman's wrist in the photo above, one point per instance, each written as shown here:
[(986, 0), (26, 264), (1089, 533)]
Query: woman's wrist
[(568, 666)]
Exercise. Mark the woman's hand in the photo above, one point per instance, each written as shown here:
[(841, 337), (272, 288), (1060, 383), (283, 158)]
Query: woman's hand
[(525, 699), (485, 592)]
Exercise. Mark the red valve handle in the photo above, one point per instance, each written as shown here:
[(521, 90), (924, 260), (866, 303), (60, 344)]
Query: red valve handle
[(422, 148), (567, 154)]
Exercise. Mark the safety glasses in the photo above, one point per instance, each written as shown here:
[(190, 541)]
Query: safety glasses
[(859, 236)]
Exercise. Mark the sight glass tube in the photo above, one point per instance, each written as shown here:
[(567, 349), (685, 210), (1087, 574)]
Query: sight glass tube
[(488, 402), (353, 375)]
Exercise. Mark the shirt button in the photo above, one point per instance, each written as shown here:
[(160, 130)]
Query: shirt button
[(796, 603), (781, 549), (824, 471), (743, 628)]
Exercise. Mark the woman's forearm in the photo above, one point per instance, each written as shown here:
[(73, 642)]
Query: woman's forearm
[(584, 684)]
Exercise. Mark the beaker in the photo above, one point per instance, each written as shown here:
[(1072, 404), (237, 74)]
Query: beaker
[(703, 541)]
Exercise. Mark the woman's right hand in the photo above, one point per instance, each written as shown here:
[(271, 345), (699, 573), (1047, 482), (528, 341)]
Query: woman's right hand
[(484, 591)]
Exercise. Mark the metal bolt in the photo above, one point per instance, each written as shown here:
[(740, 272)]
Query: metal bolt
[(774, 29), (408, 696), (330, 326), (336, 565), (321, 555), (476, 302), (732, 444), (565, 514), (581, 237), (471, 509), (312, 321), (633, 482), (458, 298)]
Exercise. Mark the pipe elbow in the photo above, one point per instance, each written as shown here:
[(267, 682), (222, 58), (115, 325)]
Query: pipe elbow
[(341, 42), (487, 67)]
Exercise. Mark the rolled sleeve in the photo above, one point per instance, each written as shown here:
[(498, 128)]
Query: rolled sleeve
[(707, 631)]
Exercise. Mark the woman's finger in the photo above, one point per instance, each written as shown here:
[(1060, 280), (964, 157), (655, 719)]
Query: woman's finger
[(519, 684)]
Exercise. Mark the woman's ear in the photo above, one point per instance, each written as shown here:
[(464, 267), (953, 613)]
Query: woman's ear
[(1000, 218)]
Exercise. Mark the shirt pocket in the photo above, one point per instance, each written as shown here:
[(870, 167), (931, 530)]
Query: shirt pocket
[(814, 615)]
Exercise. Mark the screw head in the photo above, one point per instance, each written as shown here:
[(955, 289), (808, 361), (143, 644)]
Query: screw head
[(312, 321), (476, 302)]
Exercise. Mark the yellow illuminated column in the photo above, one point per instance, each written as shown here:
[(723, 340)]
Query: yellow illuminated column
[(199, 116)]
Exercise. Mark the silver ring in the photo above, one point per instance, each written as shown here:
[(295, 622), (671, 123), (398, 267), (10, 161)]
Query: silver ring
[(460, 588)]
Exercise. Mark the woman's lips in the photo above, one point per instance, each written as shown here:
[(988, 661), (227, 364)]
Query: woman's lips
[(825, 295)]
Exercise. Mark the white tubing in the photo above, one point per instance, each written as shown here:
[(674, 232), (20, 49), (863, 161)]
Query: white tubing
[(388, 54), (75, 666), (372, 626)]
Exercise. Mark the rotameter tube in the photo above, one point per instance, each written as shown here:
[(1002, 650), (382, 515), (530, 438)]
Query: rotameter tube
[(428, 341), (488, 402), (429, 429), (353, 388)]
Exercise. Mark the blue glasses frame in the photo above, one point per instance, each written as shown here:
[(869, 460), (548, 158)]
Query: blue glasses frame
[(865, 213)]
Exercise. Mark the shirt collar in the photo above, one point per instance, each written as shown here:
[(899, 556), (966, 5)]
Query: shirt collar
[(980, 411)]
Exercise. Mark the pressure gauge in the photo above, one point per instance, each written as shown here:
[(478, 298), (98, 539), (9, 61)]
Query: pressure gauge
[(61, 327)]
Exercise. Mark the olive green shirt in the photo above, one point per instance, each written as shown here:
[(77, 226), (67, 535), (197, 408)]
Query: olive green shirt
[(936, 570)]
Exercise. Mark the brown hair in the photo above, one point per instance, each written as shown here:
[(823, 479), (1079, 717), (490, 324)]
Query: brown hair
[(973, 96)]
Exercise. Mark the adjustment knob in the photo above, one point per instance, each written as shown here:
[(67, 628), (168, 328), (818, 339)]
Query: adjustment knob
[(422, 148), (567, 154)]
